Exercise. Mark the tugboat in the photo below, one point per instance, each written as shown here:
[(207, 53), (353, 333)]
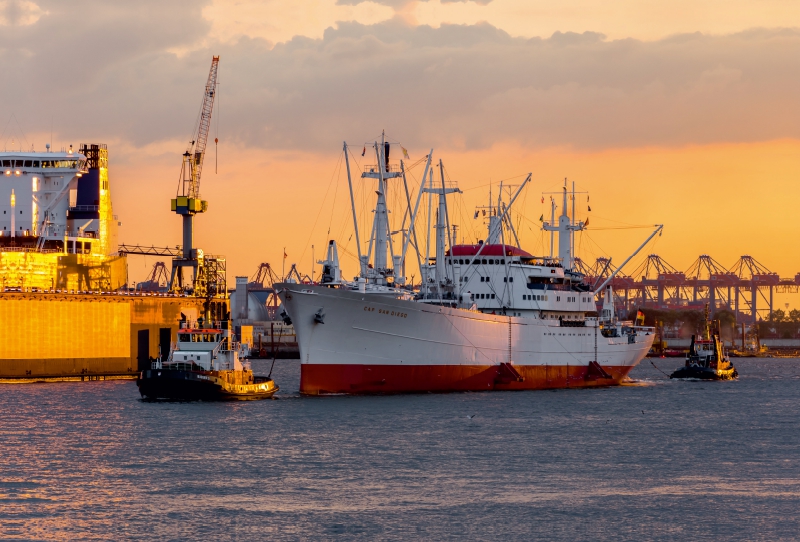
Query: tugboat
[(707, 360), (204, 365)]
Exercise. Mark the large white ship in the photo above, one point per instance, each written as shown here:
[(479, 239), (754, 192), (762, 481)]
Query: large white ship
[(488, 316)]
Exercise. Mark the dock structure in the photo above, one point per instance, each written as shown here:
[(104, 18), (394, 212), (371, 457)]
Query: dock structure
[(255, 312), (69, 335), (747, 288)]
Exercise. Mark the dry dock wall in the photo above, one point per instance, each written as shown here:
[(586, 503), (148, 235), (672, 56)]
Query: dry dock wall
[(58, 335)]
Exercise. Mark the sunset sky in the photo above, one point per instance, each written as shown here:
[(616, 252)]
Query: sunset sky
[(678, 112)]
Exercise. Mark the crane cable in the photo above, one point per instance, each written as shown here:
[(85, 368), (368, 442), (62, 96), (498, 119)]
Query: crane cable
[(216, 134)]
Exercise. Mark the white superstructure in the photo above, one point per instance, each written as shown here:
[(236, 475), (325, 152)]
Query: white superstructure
[(53, 201)]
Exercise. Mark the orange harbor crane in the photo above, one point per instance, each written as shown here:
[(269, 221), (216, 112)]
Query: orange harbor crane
[(206, 271)]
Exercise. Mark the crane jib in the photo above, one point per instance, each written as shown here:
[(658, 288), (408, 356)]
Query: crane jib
[(187, 200)]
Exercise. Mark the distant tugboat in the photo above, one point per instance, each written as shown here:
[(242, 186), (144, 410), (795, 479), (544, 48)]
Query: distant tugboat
[(707, 359), (205, 365)]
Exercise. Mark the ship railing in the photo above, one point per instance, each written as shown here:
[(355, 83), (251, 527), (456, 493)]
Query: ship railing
[(229, 365), (81, 234), (373, 168), (11, 288), (173, 366), (30, 249)]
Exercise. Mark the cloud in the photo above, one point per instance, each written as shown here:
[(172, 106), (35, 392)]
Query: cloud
[(402, 3), (462, 86), (278, 21), (471, 86), (19, 13)]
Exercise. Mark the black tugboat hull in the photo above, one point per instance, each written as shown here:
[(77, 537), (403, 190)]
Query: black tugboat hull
[(174, 385), (702, 373)]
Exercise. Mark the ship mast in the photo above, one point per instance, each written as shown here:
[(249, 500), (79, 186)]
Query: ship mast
[(566, 228), (380, 271), (442, 226)]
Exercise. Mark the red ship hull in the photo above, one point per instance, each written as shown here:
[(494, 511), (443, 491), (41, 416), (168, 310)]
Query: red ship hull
[(322, 379)]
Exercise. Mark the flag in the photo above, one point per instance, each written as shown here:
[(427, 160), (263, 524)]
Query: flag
[(587, 199), (541, 218), (364, 151), (284, 254), (542, 199), (586, 223), (405, 152), (639, 317), (590, 208), (476, 214)]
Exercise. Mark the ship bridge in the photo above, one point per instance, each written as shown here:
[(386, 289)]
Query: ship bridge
[(54, 205), (56, 201), (38, 189)]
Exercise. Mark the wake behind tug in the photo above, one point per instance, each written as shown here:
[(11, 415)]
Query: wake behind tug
[(204, 365)]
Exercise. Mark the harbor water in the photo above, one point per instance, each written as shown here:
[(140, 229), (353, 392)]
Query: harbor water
[(660, 460)]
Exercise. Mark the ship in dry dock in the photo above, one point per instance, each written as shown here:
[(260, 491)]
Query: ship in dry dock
[(66, 309), (64, 304)]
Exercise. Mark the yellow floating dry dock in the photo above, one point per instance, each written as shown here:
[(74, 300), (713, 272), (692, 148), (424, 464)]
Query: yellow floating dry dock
[(90, 336), (65, 313)]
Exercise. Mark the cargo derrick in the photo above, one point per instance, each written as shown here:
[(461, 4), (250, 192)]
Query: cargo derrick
[(600, 271), (207, 272)]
